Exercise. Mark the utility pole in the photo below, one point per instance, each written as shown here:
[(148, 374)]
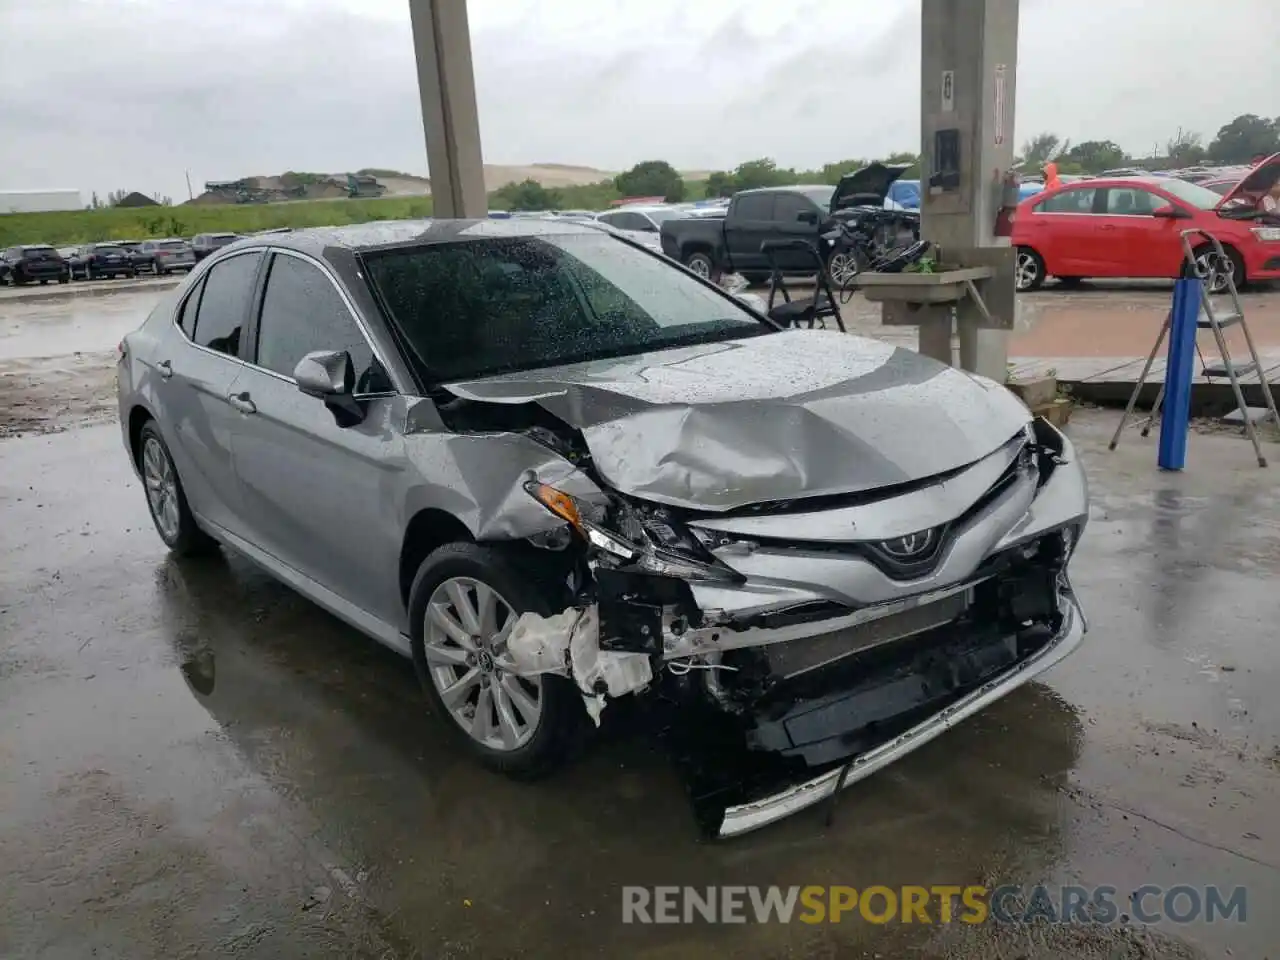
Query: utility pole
[(190, 194)]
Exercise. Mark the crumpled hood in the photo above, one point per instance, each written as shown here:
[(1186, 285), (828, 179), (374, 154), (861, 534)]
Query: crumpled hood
[(770, 418)]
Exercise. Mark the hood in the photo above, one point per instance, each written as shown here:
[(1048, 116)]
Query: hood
[(868, 186), (772, 418), (1256, 182)]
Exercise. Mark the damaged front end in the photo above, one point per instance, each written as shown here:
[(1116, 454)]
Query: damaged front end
[(807, 644)]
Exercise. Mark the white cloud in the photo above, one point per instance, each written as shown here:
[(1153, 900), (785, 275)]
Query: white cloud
[(101, 94)]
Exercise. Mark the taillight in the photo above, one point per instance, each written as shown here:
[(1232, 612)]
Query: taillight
[(122, 351)]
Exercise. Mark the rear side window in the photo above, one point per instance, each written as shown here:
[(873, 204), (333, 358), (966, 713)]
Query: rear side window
[(224, 303), (303, 312), (756, 206), (1068, 201)]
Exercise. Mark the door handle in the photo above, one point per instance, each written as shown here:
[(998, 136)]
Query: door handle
[(242, 402), (1108, 226), (165, 369)]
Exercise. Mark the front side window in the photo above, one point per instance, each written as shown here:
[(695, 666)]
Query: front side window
[(484, 307), (302, 312), (1133, 202), (1078, 200), (788, 207), (228, 288)]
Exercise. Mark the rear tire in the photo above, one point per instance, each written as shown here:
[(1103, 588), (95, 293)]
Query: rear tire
[(509, 735), (1029, 273), (166, 499), (701, 264)]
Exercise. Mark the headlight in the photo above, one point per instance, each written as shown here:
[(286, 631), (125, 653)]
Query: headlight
[(653, 544), (1267, 234)]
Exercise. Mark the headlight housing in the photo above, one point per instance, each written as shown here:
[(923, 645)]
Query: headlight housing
[(646, 540), (1267, 234)]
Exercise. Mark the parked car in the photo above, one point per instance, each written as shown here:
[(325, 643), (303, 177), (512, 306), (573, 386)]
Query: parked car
[(1132, 227), (34, 261), (1221, 185), (903, 195), (95, 260), (732, 243), (642, 223), (555, 469), (203, 244), (165, 256), (133, 248)]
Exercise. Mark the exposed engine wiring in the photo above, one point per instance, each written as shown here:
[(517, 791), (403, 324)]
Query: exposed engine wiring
[(682, 668)]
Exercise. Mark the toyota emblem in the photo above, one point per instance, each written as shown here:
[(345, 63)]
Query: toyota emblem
[(911, 546)]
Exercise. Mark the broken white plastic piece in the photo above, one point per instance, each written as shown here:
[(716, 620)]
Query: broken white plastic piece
[(539, 644), (568, 644)]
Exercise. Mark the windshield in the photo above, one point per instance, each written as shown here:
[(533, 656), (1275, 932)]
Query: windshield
[(222, 239), (821, 196), (107, 248), (485, 307), (39, 248), (1192, 194)]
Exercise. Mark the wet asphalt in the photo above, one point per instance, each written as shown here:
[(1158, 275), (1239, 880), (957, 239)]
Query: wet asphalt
[(195, 761)]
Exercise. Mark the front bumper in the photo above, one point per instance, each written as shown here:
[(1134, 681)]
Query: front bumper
[(745, 817), (826, 661)]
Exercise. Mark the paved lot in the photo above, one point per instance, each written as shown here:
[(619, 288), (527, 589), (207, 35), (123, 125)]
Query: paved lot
[(194, 761)]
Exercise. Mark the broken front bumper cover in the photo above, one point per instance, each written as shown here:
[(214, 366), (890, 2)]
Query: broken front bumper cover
[(745, 817)]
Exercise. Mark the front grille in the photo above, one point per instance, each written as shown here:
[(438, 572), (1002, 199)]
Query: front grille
[(795, 657)]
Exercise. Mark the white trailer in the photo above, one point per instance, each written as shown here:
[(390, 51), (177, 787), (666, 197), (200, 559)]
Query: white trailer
[(39, 201)]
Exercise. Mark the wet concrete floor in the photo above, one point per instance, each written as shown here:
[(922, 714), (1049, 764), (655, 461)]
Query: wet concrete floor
[(195, 761)]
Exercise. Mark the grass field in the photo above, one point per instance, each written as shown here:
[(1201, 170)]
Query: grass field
[(64, 228), (139, 223)]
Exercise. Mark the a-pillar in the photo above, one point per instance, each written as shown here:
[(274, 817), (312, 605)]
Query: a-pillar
[(447, 86), (969, 61)]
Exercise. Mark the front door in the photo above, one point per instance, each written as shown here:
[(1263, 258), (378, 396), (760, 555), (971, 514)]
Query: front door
[(314, 492), (1135, 241), (195, 379), (749, 223)]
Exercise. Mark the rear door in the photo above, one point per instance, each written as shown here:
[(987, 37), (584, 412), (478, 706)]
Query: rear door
[(749, 223), (314, 492), (1063, 229), (1134, 242), (198, 366)]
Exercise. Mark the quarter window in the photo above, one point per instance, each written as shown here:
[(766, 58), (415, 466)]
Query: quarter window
[(302, 312), (187, 312), (224, 304), (1068, 201)]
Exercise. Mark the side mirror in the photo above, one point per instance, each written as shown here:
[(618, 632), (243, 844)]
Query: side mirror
[(329, 376), (807, 216), (650, 227), (1171, 213), (325, 373)]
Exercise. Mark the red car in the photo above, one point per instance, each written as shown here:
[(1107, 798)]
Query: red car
[(1132, 227)]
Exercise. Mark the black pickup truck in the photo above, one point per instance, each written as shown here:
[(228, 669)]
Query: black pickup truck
[(711, 247)]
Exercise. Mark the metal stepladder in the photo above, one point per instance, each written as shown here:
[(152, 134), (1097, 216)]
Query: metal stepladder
[(1210, 319)]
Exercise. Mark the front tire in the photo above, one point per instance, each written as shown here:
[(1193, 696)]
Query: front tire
[(463, 603), (842, 267), (1029, 273), (1207, 267), (166, 500)]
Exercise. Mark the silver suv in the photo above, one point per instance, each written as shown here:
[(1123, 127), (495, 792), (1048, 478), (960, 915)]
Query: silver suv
[(556, 470)]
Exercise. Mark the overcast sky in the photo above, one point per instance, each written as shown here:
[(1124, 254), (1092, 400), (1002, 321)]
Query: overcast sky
[(103, 94)]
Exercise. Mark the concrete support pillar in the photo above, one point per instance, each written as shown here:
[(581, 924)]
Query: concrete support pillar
[(969, 59), (447, 86)]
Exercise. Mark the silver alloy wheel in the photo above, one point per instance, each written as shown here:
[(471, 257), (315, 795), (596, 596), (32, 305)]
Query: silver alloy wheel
[(1216, 277), (162, 488), (1028, 270), (842, 268), (700, 266), (465, 646)]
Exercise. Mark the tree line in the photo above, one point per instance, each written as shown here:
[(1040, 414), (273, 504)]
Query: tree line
[(1238, 142)]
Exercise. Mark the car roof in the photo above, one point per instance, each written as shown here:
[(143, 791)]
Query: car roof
[(788, 188), (318, 241)]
